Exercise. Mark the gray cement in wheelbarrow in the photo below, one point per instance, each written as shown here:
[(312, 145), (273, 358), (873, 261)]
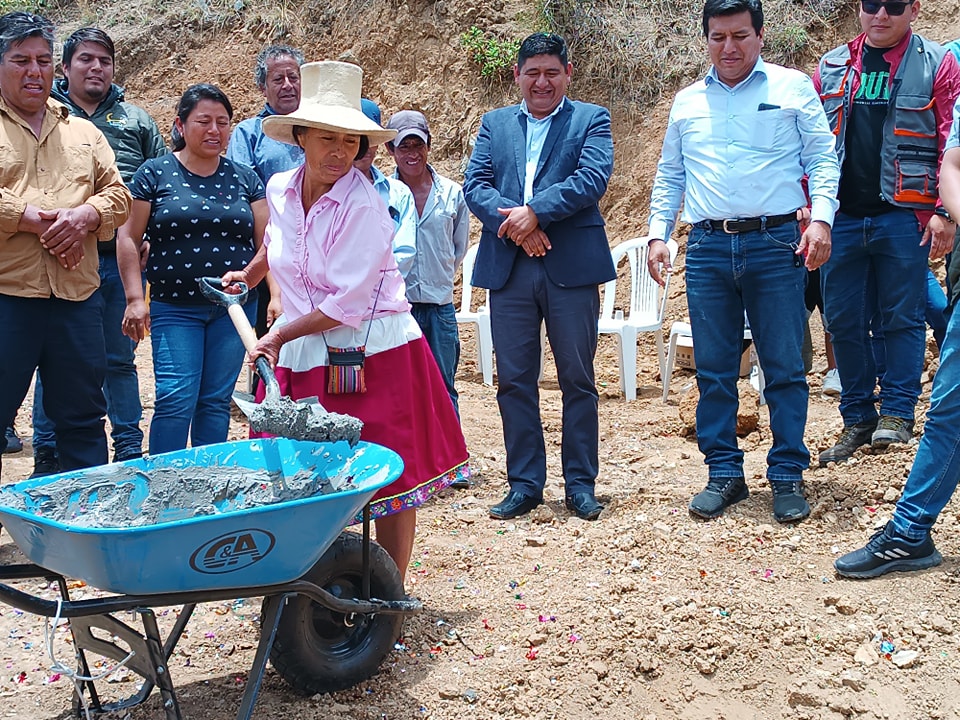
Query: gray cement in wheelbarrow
[(112, 496)]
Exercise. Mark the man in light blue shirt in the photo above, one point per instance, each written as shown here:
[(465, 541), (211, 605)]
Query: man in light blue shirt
[(442, 237), (277, 74), (737, 147), (395, 195)]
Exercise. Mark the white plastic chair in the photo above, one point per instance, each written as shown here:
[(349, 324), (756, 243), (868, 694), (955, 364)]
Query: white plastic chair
[(647, 304), (682, 329), (480, 317)]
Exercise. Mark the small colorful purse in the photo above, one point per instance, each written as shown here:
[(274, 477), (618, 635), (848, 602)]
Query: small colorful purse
[(345, 373)]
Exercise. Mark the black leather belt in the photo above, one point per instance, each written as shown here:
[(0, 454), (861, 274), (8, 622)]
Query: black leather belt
[(742, 225)]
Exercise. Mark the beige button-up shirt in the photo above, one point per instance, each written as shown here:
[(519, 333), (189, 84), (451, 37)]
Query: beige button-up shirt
[(71, 163)]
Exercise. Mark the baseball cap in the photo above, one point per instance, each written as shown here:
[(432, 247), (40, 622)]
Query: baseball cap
[(409, 123), (371, 110)]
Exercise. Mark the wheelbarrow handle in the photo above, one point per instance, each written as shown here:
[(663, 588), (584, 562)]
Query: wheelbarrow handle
[(249, 338)]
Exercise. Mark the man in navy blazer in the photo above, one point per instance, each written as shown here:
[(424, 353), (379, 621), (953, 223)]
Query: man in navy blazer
[(537, 172)]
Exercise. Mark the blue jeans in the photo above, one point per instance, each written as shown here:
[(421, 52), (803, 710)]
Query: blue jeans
[(936, 468), (120, 385), (439, 326), (197, 356), (934, 314), (64, 341), (877, 263), (757, 272)]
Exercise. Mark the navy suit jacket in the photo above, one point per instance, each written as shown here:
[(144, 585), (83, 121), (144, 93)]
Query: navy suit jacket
[(572, 176)]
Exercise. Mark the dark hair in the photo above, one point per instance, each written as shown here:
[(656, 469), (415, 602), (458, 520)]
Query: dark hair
[(542, 44), (87, 34), (16, 27), (188, 102), (718, 8), (272, 52), (299, 130)]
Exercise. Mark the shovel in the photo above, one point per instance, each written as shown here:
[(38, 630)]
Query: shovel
[(302, 420)]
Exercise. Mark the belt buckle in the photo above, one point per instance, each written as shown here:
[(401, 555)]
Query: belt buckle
[(727, 229)]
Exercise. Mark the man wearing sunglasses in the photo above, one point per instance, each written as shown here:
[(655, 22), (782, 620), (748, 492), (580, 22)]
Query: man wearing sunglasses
[(889, 96), (905, 542)]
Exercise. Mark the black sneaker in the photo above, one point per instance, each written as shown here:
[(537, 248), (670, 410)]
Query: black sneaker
[(14, 443), (888, 551), (719, 494), (891, 429), (789, 504), (45, 461), (852, 437)]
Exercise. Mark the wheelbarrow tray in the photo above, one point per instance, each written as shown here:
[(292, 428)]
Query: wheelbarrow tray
[(253, 547)]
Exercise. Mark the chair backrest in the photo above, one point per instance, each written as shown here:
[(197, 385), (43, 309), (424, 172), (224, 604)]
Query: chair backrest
[(466, 289), (647, 298)]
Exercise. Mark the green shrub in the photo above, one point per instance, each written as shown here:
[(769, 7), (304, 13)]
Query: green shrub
[(493, 56)]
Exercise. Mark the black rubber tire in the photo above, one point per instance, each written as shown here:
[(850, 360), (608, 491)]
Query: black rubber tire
[(314, 650)]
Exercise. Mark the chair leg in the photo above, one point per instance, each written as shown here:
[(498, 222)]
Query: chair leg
[(668, 368), (485, 340), (628, 363), (661, 356)]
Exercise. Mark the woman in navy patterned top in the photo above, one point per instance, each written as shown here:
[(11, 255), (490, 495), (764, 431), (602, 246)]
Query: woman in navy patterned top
[(203, 215)]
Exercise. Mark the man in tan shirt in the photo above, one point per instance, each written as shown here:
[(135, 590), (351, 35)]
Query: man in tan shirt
[(60, 192)]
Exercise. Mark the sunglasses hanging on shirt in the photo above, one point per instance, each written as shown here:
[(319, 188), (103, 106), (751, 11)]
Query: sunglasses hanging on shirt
[(894, 9)]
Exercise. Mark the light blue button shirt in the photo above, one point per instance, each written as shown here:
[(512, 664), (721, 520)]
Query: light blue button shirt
[(953, 140), (265, 156), (403, 209), (741, 152), (443, 233), (536, 135)]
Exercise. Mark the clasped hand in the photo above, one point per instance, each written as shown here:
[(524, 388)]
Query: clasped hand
[(522, 226)]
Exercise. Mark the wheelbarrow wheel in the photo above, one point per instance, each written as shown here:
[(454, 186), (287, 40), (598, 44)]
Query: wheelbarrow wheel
[(317, 650)]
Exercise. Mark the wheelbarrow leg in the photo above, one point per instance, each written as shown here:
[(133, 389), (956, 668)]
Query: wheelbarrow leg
[(81, 658), (159, 660), (269, 622), (168, 647)]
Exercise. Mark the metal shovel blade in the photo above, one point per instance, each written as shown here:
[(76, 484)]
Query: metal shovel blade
[(300, 420)]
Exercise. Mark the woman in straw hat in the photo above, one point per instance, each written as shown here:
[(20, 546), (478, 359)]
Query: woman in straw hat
[(328, 245)]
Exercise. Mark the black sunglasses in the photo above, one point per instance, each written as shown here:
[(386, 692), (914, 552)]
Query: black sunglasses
[(894, 9)]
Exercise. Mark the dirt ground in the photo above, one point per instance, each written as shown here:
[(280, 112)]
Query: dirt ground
[(646, 614)]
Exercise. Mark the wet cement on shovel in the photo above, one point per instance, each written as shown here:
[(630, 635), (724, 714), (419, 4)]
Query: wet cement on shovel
[(120, 496), (283, 417)]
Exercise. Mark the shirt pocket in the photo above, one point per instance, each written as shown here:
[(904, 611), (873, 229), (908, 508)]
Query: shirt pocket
[(769, 128), (12, 167), (78, 165)]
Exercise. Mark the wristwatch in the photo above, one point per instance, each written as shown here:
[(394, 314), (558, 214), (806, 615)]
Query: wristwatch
[(942, 212)]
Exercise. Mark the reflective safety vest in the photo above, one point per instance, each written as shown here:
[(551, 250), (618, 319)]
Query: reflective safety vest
[(910, 145)]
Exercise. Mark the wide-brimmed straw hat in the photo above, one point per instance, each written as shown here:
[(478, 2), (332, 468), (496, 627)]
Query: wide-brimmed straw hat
[(329, 100)]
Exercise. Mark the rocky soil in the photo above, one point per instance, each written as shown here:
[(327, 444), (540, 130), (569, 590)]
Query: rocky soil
[(646, 613)]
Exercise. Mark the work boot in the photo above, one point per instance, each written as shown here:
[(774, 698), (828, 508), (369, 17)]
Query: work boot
[(789, 504), (719, 494), (852, 437), (45, 461), (891, 430), (14, 443)]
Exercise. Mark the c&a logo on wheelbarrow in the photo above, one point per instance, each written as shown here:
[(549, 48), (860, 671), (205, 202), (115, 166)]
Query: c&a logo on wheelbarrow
[(232, 551)]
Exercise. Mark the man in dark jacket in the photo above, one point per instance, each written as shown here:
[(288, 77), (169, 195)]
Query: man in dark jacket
[(535, 178), (88, 91)]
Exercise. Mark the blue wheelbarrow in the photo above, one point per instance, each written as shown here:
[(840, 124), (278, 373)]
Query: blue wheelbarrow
[(333, 601)]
